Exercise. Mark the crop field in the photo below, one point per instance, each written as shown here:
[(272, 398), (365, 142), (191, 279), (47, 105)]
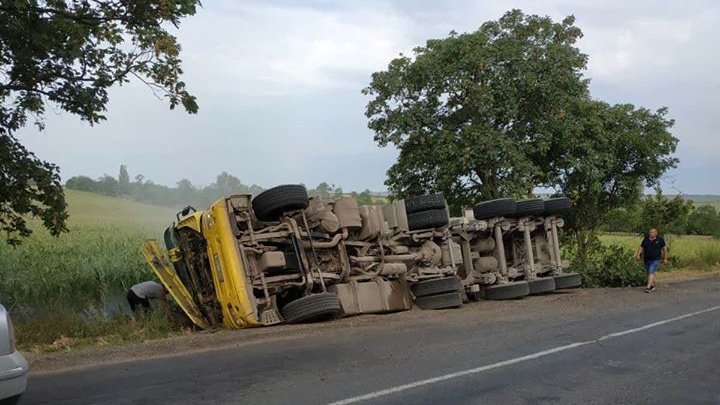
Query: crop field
[(686, 251), (64, 288)]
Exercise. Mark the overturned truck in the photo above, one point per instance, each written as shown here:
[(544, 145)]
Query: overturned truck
[(284, 257)]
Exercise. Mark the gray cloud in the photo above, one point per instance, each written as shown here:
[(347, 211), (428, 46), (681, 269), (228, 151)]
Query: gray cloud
[(279, 88)]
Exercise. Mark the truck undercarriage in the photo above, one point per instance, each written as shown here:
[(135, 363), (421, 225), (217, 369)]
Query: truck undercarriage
[(284, 257)]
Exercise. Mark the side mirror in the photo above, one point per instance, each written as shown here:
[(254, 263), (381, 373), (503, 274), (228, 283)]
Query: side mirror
[(185, 212)]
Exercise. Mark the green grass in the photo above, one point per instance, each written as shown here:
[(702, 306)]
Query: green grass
[(715, 204), (686, 251), (60, 288)]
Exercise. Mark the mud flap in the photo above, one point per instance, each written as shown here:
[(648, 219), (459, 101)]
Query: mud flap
[(373, 297), (160, 264)]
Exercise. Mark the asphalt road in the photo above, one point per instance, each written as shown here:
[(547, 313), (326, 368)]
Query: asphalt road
[(605, 346)]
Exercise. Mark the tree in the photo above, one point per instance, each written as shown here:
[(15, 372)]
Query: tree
[(68, 54), (474, 115), (612, 153), (124, 180), (667, 215), (325, 190), (28, 186), (82, 183), (363, 198), (704, 221), (227, 184), (108, 185)]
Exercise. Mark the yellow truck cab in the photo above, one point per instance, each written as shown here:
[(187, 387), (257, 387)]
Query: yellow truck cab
[(223, 272)]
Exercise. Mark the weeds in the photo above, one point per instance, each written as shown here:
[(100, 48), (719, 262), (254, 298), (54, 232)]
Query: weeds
[(686, 251), (65, 330)]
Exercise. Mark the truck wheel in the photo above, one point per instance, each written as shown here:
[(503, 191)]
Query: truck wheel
[(533, 206), (567, 280), (271, 203), (501, 207), (436, 286), (428, 219), (440, 301), (424, 203), (11, 401), (557, 205), (506, 291), (311, 308), (541, 285)]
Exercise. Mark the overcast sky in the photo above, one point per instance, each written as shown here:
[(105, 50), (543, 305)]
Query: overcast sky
[(279, 83)]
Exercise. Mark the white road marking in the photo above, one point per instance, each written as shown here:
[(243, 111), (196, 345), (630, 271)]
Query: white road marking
[(463, 373)]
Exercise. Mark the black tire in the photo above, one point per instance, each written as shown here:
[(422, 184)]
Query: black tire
[(506, 291), (541, 285), (567, 280), (436, 286), (424, 203), (11, 401), (557, 205), (312, 308), (501, 207), (440, 301), (270, 204), (531, 207), (428, 219)]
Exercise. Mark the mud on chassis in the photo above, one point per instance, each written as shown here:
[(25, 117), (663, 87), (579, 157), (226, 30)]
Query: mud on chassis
[(390, 248), (536, 250), (505, 253), (281, 257), (235, 266)]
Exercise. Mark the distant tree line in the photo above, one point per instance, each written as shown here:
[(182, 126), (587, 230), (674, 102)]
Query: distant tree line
[(185, 193), (676, 215)]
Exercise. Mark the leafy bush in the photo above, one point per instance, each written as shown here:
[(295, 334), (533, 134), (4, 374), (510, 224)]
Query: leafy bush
[(606, 265)]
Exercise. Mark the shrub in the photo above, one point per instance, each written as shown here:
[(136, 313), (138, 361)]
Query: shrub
[(606, 265)]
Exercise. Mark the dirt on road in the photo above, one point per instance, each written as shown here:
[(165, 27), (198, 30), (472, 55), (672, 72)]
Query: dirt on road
[(473, 315)]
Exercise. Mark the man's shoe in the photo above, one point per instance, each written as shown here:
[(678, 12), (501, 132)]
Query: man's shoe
[(650, 289)]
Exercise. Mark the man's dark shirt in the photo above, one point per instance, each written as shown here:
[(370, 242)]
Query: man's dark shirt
[(652, 249)]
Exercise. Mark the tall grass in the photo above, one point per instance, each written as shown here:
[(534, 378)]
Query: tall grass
[(686, 251), (67, 288), (66, 330)]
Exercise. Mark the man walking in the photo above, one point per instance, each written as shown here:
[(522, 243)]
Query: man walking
[(653, 249)]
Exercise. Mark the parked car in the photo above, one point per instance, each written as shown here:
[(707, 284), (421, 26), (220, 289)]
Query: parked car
[(13, 366)]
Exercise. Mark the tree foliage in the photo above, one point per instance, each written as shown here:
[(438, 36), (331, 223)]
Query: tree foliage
[(613, 152), (505, 109), (705, 220), (667, 215), (475, 115), (28, 186), (68, 54), (185, 193), (123, 180)]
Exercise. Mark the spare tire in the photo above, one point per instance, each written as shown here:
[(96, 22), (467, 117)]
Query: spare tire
[(271, 203), (428, 219), (530, 207), (441, 301), (424, 203), (557, 205), (436, 286), (501, 207), (505, 291), (312, 308)]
